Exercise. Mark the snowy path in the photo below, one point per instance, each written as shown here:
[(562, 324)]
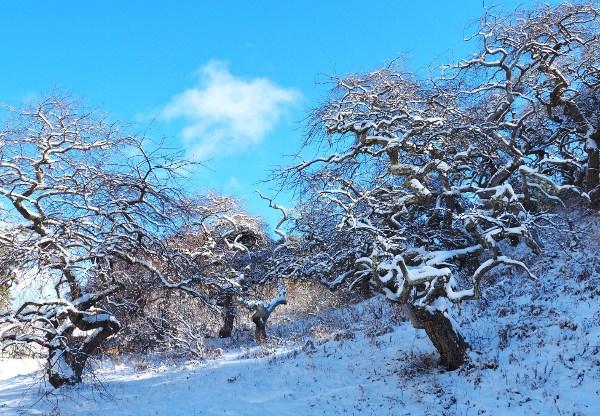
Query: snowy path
[(334, 378)]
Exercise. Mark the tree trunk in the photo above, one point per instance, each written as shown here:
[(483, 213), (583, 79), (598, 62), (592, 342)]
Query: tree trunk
[(593, 168), (65, 366), (67, 362), (227, 328), (60, 369), (259, 317), (447, 341), (365, 288), (263, 310)]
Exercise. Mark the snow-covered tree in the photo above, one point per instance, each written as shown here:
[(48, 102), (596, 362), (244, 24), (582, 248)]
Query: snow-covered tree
[(224, 240), (535, 82), (427, 176), (85, 203), (224, 244)]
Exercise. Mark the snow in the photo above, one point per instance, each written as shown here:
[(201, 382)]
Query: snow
[(418, 187), (316, 381), (535, 350)]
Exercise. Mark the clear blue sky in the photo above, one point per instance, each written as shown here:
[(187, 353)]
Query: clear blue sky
[(181, 63)]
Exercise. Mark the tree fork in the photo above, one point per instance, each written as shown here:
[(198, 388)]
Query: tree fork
[(262, 312)]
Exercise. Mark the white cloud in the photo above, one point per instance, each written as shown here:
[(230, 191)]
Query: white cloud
[(224, 113)]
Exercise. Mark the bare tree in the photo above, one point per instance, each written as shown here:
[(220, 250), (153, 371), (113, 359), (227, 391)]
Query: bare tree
[(536, 83), (226, 241), (427, 176), (223, 242), (86, 203)]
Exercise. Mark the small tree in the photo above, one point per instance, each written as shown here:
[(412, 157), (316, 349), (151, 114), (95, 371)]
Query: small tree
[(225, 241), (230, 249)]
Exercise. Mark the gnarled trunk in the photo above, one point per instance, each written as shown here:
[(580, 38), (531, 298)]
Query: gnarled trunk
[(67, 362), (447, 341), (260, 317), (365, 288), (227, 328), (262, 311), (65, 367)]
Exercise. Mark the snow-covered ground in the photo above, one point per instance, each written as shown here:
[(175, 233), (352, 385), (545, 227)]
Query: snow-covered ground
[(535, 350)]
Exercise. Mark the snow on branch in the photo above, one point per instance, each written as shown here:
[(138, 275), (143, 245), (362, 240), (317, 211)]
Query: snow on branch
[(284, 216)]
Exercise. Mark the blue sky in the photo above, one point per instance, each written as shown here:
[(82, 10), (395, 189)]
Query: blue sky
[(229, 81)]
